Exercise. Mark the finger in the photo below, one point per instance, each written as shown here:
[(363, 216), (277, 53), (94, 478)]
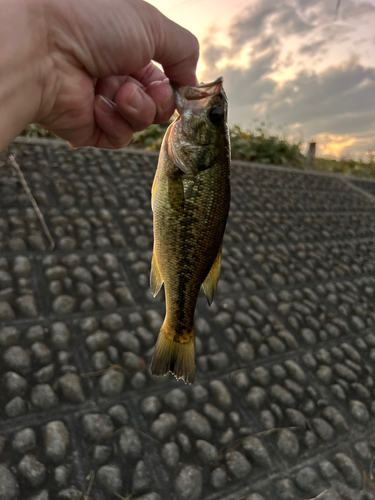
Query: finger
[(149, 74), (116, 132), (136, 107), (178, 51), (162, 95), (108, 87)]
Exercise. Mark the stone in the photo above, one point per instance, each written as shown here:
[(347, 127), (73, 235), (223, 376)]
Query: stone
[(14, 384), (6, 311), (189, 484), (21, 266), (9, 335), (26, 305), (112, 382), (43, 397), (150, 406), (56, 440), (15, 407), (219, 478), (130, 443), (97, 426), (101, 453), (24, 441), (17, 359), (110, 477), (60, 336), (61, 475), (256, 451), (176, 399), (197, 424), (238, 465), (106, 300), (349, 470), (207, 452), (163, 426), (71, 388), (287, 443), (221, 394), (9, 489), (32, 470), (170, 454), (119, 414), (141, 478), (64, 304), (307, 479)]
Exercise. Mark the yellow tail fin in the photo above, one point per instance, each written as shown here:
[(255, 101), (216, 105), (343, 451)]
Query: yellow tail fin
[(175, 357)]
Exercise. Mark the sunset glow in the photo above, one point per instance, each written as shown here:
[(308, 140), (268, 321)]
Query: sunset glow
[(295, 62)]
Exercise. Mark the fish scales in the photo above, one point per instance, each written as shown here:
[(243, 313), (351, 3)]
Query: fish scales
[(190, 203)]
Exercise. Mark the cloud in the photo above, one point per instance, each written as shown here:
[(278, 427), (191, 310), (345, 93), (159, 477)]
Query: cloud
[(312, 81)]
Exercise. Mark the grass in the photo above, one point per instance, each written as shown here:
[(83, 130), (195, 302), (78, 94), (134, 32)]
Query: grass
[(257, 145)]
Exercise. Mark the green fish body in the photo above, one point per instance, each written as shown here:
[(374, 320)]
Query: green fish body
[(190, 203)]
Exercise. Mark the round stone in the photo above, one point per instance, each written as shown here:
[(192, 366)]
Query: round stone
[(32, 470), (176, 399), (110, 477), (130, 443), (307, 479), (43, 397), (24, 441), (189, 484), (237, 464), (14, 384), (112, 382), (221, 394), (207, 452), (21, 266), (219, 478), (163, 426), (9, 489), (64, 304), (17, 359), (256, 451), (56, 440), (119, 414), (97, 426), (197, 424), (60, 336), (287, 443), (26, 305), (170, 453)]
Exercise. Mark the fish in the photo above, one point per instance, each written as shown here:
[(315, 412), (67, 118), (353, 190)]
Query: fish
[(190, 200)]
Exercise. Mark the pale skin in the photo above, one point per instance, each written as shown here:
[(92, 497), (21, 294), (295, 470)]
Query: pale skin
[(83, 69)]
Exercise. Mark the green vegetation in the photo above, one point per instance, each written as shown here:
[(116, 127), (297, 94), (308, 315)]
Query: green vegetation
[(257, 145)]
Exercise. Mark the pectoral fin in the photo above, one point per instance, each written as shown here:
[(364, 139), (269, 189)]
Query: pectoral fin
[(156, 279), (210, 283)]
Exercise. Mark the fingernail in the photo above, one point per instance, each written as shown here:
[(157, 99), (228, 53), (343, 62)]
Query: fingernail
[(105, 104), (136, 98)]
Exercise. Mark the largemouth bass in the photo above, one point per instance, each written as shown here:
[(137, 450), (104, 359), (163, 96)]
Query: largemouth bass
[(190, 203)]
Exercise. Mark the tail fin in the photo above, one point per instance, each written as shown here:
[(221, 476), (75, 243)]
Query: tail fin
[(175, 357)]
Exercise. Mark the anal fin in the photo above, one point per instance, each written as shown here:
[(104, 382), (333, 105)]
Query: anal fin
[(155, 278), (210, 283)]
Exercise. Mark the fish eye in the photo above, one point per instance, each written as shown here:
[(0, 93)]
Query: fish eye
[(216, 115)]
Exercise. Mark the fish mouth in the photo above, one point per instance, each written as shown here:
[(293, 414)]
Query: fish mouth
[(197, 98)]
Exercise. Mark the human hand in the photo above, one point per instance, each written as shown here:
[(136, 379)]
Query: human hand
[(97, 84)]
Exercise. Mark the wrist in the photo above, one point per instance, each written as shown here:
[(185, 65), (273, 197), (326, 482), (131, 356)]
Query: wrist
[(22, 52)]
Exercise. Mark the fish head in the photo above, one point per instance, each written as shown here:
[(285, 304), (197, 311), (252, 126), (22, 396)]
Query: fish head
[(200, 132)]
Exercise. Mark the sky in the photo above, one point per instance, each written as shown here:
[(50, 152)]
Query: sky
[(307, 67)]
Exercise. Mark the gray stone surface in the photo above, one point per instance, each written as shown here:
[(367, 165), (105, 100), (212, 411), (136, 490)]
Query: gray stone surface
[(283, 404)]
